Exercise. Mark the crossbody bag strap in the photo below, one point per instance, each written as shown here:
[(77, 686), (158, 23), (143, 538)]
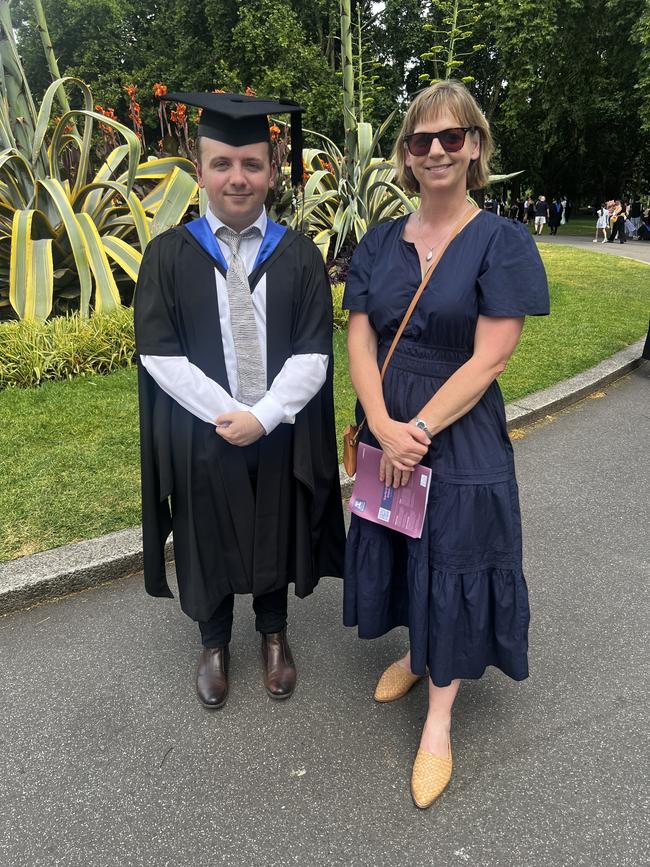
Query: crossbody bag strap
[(460, 225)]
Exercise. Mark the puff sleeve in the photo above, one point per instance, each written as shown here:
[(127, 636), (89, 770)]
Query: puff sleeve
[(357, 282), (512, 280)]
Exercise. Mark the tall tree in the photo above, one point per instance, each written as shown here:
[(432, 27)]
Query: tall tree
[(567, 94)]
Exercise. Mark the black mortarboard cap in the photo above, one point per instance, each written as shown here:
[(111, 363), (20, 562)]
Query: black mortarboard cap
[(237, 120)]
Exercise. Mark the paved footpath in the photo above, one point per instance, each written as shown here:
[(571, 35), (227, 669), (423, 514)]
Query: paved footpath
[(106, 758), (639, 250)]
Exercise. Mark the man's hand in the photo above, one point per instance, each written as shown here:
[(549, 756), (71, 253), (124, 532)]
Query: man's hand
[(239, 428)]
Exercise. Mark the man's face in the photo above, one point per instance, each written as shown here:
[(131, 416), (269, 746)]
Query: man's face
[(236, 180)]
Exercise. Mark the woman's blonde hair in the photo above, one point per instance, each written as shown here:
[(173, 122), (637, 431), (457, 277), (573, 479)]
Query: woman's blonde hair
[(454, 97)]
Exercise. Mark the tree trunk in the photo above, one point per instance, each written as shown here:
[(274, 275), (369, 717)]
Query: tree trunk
[(349, 118), (53, 66)]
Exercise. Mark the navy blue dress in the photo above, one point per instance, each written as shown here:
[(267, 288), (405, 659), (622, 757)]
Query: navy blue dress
[(460, 589)]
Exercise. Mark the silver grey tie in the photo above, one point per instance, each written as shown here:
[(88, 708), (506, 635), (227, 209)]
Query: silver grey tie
[(251, 378)]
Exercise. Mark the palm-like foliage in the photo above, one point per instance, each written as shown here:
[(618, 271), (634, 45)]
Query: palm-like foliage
[(345, 198), (64, 231), (348, 193)]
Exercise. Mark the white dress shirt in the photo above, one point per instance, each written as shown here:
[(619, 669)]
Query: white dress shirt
[(299, 380)]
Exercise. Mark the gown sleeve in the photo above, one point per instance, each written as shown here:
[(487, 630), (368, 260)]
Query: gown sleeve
[(358, 280), (512, 280), (155, 334), (155, 331), (312, 324)]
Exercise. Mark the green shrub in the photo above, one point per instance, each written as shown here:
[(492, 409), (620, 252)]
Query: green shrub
[(340, 316), (64, 347), (68, 346)]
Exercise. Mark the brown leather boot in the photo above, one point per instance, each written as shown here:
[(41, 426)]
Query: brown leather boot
[(279, 667), (212, 676)]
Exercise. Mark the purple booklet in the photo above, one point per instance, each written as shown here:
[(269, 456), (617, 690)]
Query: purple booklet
[(402, 509)]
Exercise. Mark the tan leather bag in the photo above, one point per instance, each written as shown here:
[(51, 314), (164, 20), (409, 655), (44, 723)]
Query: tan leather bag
[(352, 432)]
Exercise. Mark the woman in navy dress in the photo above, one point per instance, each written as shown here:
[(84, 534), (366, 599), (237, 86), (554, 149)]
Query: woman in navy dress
[(459, 589)]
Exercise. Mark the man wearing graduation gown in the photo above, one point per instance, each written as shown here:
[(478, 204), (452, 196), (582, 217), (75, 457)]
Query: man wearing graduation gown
[(233, 322)]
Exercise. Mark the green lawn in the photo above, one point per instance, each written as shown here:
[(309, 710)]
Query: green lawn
[(71, 448)]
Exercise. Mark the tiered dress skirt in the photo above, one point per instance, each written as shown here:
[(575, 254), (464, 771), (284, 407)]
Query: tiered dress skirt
[(460, 588)]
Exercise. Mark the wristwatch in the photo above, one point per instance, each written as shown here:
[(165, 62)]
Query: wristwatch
[(422, 425)]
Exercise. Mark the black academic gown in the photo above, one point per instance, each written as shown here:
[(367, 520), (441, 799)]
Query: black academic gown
[(227, 538)]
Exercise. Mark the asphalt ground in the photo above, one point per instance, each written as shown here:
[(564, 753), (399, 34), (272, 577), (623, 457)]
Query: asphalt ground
[(106, 757), (639, 250)]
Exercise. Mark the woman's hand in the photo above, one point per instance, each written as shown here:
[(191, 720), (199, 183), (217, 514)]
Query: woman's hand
[(403, 444), (390, 475)]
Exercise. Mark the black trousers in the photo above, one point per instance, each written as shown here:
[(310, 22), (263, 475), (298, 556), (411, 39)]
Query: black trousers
[(270, 608), (270, 616), (618, 228)]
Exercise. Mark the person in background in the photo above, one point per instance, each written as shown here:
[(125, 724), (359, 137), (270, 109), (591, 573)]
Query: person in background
[(521, 211), (602, 222), (555, 215), (635, 214), (617, 222), (541, 214), (530, 212), (644, 227)]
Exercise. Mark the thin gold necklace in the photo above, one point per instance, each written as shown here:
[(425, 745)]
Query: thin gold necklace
[(430, 247)]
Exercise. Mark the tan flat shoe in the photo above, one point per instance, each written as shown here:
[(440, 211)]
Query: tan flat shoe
[(395, 682), (430, 777)]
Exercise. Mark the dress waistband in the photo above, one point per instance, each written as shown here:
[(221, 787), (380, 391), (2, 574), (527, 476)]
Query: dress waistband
[(423, 358)]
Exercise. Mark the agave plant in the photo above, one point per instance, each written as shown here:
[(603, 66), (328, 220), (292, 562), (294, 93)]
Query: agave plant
[(64, 232), (346, 193), (344, 198)]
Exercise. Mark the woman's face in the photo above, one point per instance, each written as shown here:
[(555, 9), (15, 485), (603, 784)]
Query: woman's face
[(440, 171)]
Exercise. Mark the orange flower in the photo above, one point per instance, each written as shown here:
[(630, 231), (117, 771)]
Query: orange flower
[(179, 114), (106, 112), (249, 91), (131, 89), (305, 172), (159, 89), (219, 90)]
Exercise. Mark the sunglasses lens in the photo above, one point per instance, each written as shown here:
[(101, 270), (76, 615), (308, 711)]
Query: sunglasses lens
[(452, 140), (419, 144)]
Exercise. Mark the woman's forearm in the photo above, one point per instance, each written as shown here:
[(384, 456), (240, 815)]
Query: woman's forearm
[(495, 341), (402, 443), (460, 393)]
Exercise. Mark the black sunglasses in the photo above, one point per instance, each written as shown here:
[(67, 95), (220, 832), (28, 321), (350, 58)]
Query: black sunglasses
[(452, 140)]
